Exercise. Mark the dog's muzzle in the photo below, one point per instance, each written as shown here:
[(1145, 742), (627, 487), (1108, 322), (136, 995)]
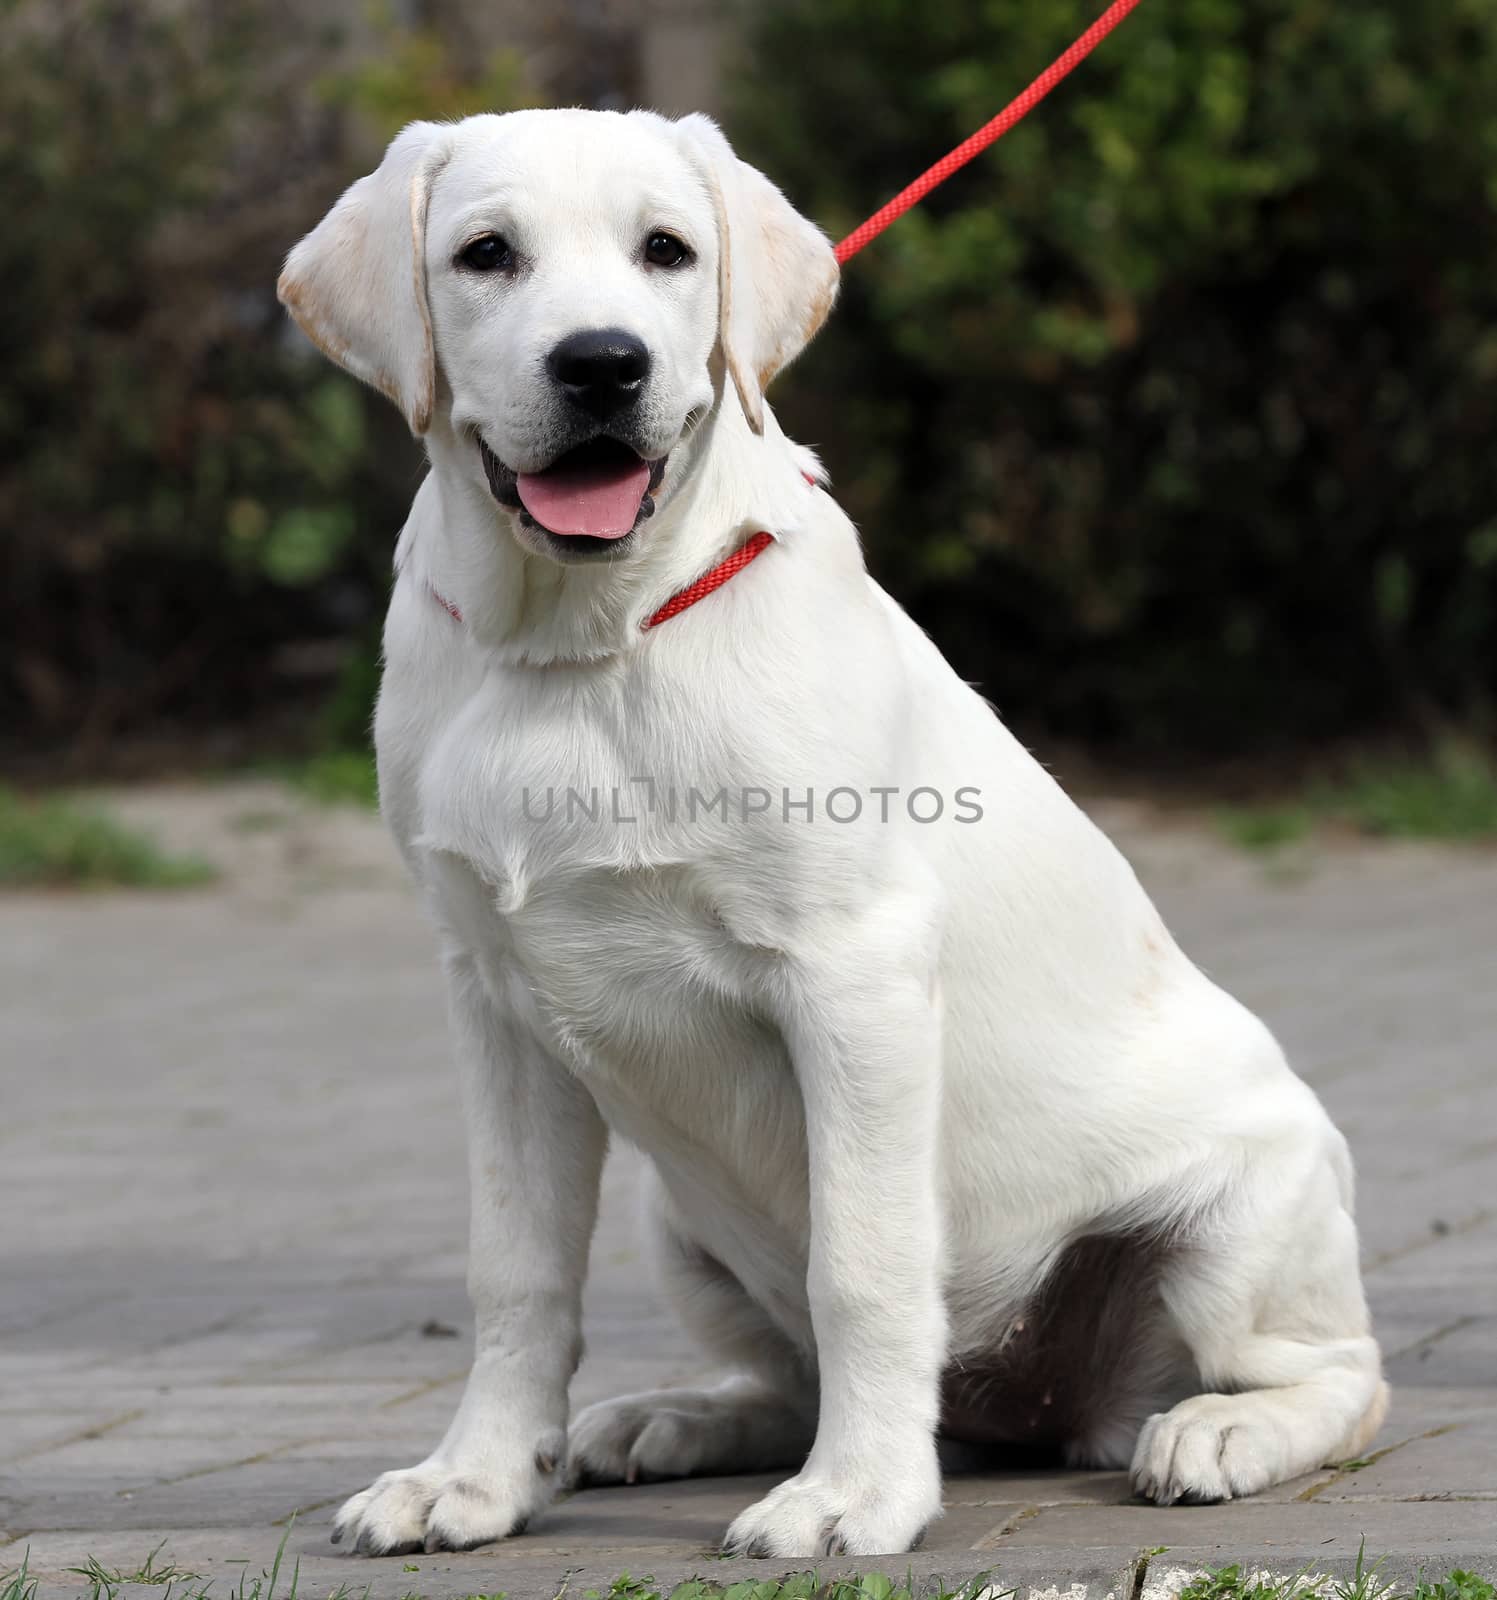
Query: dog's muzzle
[(599, 490)]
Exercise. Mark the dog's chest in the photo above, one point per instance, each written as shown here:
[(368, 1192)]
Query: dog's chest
[(562, 852), (633, 985)]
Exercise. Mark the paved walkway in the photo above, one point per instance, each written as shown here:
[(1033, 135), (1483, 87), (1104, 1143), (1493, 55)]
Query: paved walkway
[(232, 1217)]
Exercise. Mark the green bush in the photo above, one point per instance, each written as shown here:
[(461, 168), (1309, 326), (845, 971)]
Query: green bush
[(1173, 415), (197, 514)]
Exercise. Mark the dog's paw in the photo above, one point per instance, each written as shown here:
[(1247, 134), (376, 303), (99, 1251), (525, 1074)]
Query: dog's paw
[(443, 1506), (639, 1438), (677, 1433), (1206, 1449), (809, 1516)]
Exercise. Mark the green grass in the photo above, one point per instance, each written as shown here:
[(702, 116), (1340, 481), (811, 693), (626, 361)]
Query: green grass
[(1458, 1586), (800, 1586), (105, 1583), (105, 1580), (1266, 827), (19, 1584), (1452, 796), (101, 1583), (1231, 1583), (336, 777), (261, 820), (1223, 1583), (53, 842)]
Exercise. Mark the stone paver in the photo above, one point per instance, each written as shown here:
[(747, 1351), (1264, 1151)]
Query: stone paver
[(232, 1223)]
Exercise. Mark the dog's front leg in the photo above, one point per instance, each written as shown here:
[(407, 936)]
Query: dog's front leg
[(535, 1152), (864, 1038)]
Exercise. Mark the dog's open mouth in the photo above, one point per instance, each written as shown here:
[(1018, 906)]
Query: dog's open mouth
[(599, 490)]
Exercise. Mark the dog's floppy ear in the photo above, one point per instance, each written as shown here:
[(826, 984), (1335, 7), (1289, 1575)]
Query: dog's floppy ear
[(778, 276), (356, 284)]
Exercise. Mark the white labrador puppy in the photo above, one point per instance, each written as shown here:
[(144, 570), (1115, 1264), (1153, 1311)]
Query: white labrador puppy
[(946, 1135)]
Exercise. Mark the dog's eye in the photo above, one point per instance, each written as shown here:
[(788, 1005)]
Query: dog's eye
[(488, 254), (665, 250)]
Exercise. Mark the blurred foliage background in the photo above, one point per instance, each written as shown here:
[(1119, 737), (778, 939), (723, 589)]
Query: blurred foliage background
[(1173, 417), (196, 514)]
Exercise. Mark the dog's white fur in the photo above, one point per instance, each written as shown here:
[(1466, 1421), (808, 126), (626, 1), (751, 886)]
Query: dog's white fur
[(886, 1072)]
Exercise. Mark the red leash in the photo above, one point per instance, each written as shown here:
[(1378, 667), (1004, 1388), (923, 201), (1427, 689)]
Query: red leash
[(1015, 111)]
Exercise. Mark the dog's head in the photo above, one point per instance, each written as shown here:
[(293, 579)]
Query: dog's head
[(571, 292)]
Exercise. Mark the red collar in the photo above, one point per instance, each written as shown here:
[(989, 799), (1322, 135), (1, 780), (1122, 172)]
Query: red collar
[(729, 567)]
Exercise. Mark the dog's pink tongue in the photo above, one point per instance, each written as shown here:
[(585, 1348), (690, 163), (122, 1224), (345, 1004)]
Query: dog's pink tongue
[(600, 500)]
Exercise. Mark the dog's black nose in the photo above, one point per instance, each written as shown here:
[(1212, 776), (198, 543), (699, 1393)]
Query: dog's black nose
[(603, 370)]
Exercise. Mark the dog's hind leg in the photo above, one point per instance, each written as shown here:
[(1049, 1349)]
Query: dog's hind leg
[(760, 1415), (1269, 1300)]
